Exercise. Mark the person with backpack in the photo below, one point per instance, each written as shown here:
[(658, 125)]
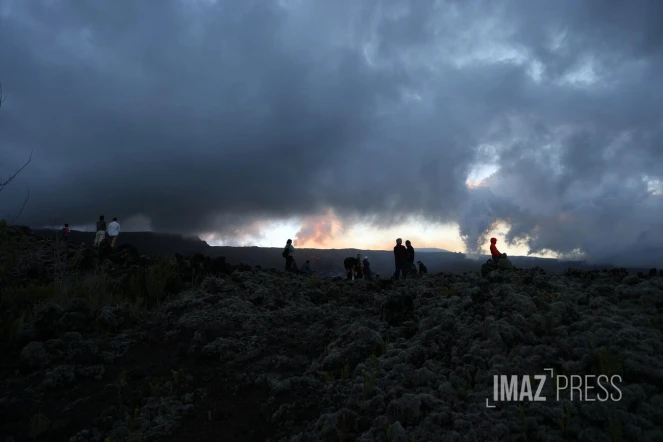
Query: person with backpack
[(101, 231), (113, 231), (288, 253)]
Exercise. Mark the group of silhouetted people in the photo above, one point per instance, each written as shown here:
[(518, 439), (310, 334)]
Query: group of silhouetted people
[(356, 268), (107, 233), (404, 260)]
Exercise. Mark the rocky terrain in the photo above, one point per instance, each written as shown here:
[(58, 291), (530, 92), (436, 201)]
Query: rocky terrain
[(115, 346)]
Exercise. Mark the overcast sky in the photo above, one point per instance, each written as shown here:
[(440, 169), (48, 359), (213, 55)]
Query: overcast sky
[(221, 117)]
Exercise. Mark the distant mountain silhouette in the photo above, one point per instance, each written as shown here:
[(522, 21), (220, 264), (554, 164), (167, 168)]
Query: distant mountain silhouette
[(326, 262), (432, 249)]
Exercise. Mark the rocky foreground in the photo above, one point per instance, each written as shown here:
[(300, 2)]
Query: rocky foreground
[(252, 355)]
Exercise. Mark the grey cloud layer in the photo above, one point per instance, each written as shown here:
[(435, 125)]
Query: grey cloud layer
[(209, 116)]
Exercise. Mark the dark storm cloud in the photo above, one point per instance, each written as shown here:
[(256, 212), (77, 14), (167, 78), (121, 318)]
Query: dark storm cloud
[(212, 116), (157, 121)]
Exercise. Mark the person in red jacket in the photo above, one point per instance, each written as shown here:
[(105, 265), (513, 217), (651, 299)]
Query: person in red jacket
[(65, 233), (400, 258), (493, 250)]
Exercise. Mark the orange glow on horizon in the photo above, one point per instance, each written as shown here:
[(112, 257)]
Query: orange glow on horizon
[(365, 239), (382, 245), (328, 232)]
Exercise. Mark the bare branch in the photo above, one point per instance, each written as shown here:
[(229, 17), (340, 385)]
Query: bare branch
[(3, 183), (25, 201), (1, 96)]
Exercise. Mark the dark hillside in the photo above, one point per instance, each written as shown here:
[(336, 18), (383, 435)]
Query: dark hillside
[(110, 345)]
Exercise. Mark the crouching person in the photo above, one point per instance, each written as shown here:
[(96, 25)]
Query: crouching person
[(306, 268)]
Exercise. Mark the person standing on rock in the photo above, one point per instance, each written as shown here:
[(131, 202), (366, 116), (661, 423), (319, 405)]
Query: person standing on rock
[(368, 273), (113, 231), (101, 231), (410, 257), (289, 255), (65, 233), (400, 258), (493, 250)]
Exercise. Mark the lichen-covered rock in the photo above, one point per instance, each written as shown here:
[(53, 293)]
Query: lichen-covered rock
[(35, 355), (79, 305), (397, 309), (213, 285), (27, 332), (356, 344), (74, 321), (114, 317), (47, 321)]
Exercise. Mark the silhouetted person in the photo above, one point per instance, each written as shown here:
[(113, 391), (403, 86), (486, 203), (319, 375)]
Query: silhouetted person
[(306, 268), (504, 263), (368, 273), (400, 258), (101, 231), (422, 267), (350, 264), (65, 233), (410, 256), (289, 255), (493, 251), (113, 231)]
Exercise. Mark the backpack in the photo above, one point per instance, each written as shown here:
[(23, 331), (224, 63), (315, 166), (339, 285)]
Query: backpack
[(285, 252)]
